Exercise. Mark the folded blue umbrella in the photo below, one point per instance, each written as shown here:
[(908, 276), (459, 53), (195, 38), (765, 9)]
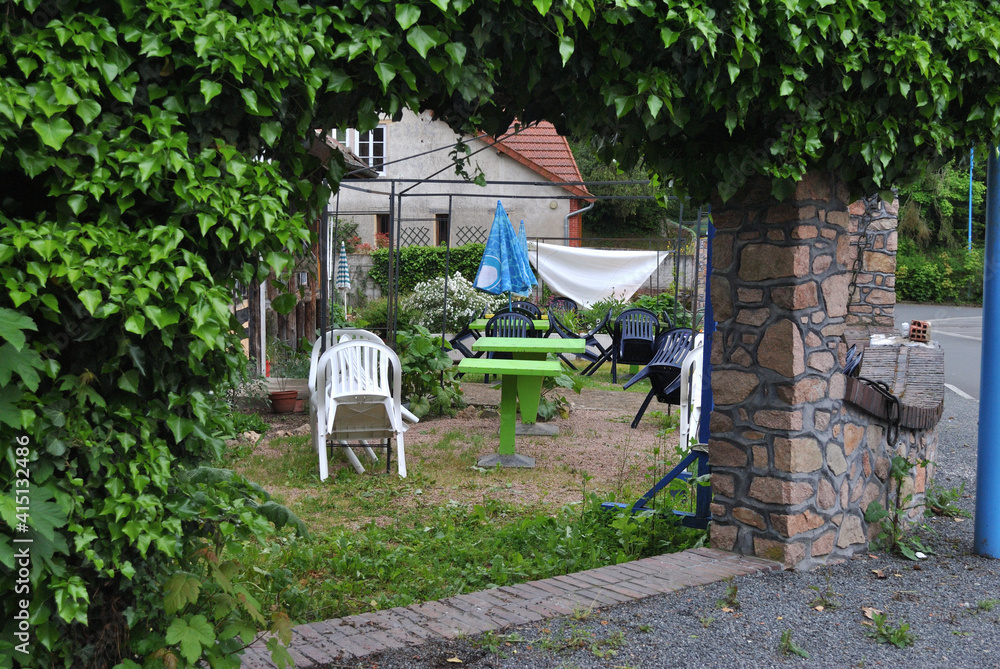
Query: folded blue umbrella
[(504, 267)]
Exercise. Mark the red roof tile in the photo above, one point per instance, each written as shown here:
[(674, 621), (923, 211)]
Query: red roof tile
[(542, 149)]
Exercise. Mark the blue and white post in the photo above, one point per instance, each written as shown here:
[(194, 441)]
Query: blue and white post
[(987, 538)]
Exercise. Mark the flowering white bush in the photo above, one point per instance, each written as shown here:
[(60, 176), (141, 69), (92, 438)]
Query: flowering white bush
[(464, 303)]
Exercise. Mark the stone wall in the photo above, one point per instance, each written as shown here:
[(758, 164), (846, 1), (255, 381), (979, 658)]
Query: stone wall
[(779, 291), (793, 466), (874, 238)]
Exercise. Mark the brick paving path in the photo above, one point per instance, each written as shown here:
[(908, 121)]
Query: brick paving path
[(344, 639)]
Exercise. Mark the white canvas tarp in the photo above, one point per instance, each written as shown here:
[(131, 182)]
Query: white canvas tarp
[(589, 275)]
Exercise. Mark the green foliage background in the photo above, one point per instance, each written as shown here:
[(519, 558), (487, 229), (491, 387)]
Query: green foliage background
[(152, 154), (420, 263)]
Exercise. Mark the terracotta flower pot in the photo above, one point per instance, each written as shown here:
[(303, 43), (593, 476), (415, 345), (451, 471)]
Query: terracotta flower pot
[(283, 401)]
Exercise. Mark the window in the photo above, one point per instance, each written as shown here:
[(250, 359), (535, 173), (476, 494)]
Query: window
[(381, 230), (441, 228), (371, 148)]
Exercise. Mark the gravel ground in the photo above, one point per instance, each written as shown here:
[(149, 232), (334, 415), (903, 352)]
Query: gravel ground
[(951, 602)]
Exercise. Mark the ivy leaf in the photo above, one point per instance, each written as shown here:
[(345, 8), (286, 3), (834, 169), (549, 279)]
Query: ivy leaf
[(270, 132), (734, 71), (136, 324), (46, 515), (456, 51), (566, 48), (91, 300), (180, 427), (9, 414), (542, 6), (210, 89), (420, 40), (24, 363), (11, 325), (407, 15), (129, 381), (88, 110), (284, 304), (53, 132), (179, 591), (192, 635)]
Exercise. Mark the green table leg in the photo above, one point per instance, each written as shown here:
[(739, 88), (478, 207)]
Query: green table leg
[(508, 413), (529, 392), (529, 389)]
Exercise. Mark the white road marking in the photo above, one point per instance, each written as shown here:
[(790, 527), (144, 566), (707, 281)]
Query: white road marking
[(934, 333), (960, 393)]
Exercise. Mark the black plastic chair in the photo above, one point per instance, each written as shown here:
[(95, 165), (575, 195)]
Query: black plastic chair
[(458, 342), (596, 359), (633, 339), (530, 307), (560, 304), (508, 324), (664, 370)]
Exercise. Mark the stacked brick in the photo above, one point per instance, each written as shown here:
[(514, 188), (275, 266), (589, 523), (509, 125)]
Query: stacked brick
[(873, 234)]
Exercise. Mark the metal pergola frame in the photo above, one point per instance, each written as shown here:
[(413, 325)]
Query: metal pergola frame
[(697, 228)]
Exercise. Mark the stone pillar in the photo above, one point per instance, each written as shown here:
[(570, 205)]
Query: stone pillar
[(873, 265), (779, 291)]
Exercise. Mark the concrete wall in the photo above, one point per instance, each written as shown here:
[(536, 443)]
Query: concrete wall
[(414, 135)]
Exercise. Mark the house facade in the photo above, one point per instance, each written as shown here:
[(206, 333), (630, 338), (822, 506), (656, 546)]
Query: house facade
[(529, 170)]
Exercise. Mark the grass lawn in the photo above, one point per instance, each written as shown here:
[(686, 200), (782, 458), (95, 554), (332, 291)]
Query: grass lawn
[(378, 541)]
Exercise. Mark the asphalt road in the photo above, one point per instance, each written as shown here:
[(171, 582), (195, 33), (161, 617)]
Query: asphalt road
[(959, 331)]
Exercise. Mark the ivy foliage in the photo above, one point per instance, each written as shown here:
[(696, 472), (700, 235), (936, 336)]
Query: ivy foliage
[(710, 93), (153, 154)]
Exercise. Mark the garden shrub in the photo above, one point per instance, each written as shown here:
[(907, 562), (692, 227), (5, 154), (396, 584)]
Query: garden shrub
[(421, 263), (428, 373), (465, 303), (941, 275)]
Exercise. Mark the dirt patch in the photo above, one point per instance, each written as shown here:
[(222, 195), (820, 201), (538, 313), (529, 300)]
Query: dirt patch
[(595, 451)]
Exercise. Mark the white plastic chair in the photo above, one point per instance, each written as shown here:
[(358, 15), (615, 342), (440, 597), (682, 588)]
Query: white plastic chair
[(334, 337), (691, 392), (359, 398)]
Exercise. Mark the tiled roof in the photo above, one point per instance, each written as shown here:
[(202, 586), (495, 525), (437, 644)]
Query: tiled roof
[(545, 151)]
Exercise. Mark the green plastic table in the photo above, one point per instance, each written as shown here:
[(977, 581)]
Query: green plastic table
[(520, 379)]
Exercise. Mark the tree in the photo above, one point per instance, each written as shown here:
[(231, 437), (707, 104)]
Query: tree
[(617, 217), (934, 209), (155, 153)]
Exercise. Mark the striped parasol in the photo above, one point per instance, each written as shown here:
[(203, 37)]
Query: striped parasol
[(343, 276)]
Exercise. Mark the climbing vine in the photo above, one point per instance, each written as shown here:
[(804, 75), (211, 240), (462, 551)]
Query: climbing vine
[(155, 154)]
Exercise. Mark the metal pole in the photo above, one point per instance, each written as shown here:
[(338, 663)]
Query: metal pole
[(447, 268), (391, 277), (324, 272), (972, 160), (677, 260), (704, 433), (987, 534)]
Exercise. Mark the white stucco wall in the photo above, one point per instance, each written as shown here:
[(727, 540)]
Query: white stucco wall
[(540, 206)]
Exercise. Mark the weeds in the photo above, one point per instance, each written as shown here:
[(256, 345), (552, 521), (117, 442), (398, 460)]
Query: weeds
[(729, 599), (579, 638), (986, 605), (824, 598), (941, 501), (893, 535), (789, 647), (884, 631)]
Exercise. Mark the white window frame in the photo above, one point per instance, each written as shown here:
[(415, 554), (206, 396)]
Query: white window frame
[(370, 141)]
